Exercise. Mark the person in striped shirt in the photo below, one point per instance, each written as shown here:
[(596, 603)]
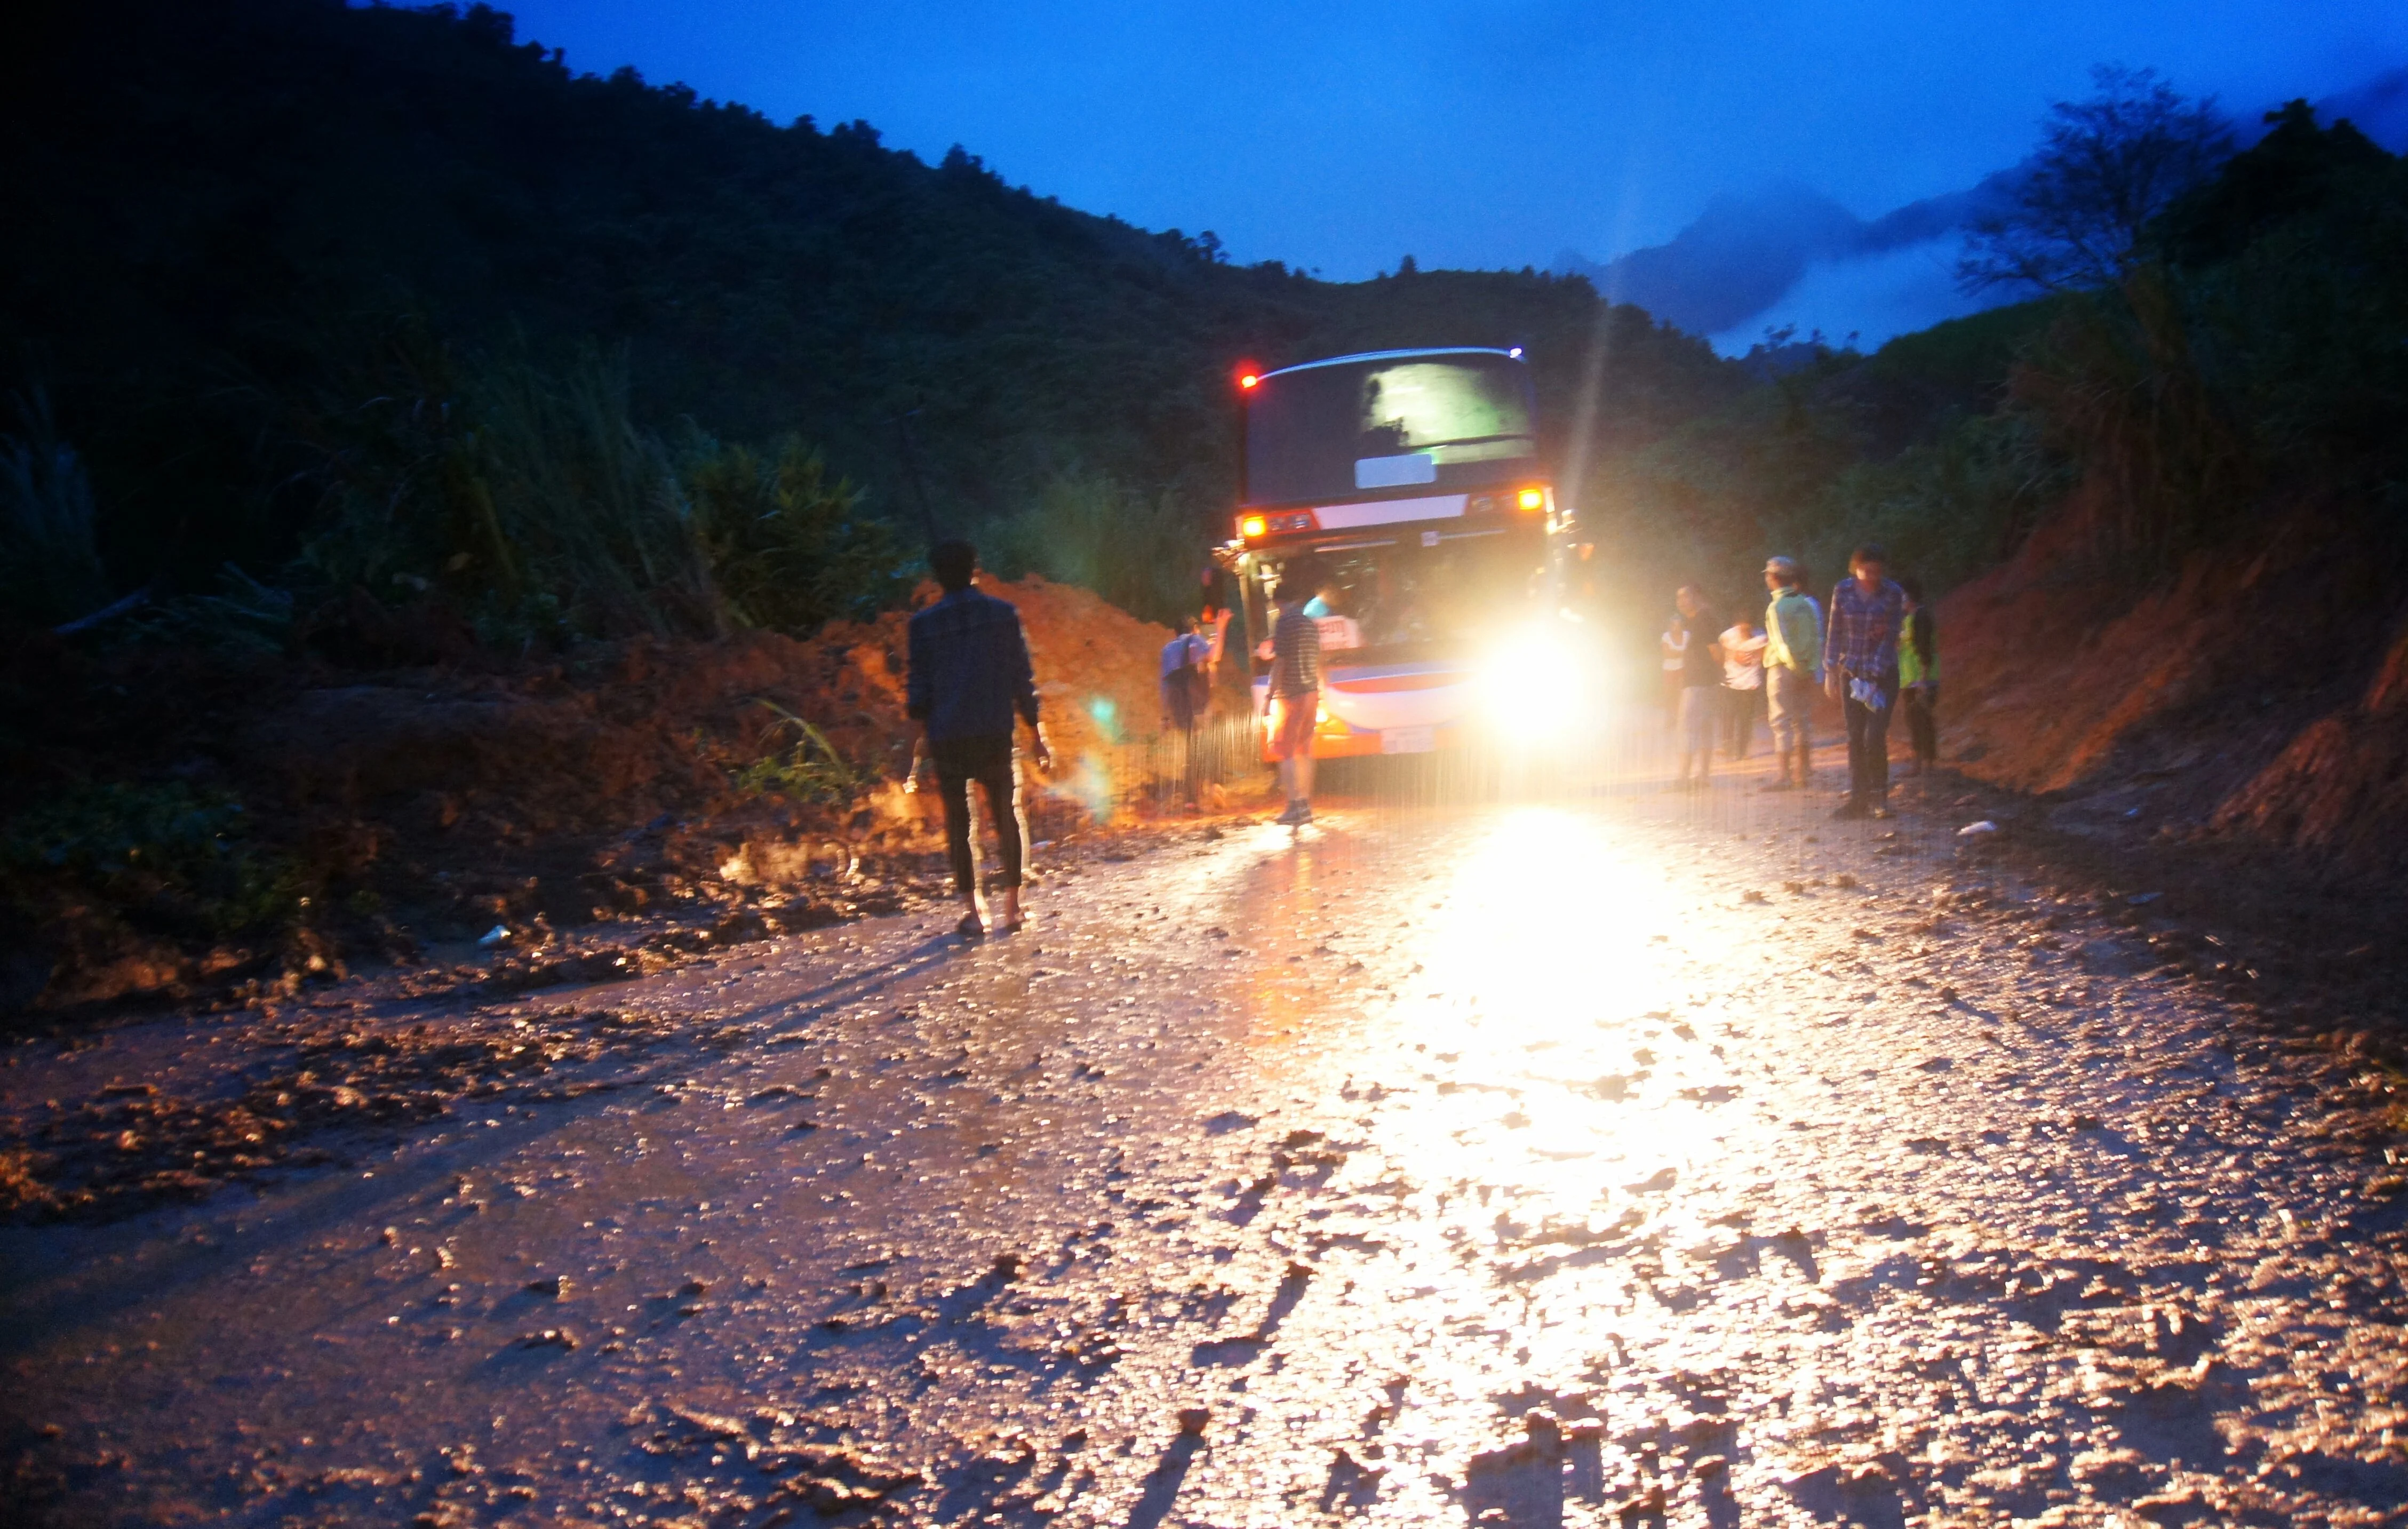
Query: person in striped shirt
[(1296, 689)]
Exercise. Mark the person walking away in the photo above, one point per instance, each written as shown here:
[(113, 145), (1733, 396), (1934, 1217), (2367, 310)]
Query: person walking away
[(1919, 676), (1743, 695), (1793, 672), (1185, 692), (1295, 689), (969, 674), (1860, 672), (1694, 712)]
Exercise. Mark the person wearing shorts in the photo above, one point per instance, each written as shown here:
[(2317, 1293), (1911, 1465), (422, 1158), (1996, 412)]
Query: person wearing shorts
[(1295, 691)]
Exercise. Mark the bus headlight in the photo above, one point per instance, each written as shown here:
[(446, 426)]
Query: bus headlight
[(1536, 682)]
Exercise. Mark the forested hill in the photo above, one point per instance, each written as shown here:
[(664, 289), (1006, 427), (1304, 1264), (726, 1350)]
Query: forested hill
[(246, 226)]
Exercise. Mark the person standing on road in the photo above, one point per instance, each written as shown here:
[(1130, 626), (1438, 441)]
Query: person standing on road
[(1919, 676), (969, 674), (1182, 680), (1701, 684), (1793, 671), (1296, 689), (1860, 672), (1186, 692), (1742, 684)]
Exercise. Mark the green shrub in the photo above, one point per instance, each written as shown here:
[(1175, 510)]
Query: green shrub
[(787, 548), (167, 854)]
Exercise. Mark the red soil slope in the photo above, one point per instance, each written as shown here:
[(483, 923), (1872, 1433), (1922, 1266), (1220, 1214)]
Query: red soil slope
[(2261, 693)]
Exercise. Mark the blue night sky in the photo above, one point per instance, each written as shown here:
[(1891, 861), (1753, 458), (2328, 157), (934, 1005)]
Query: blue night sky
[(1340, 136)]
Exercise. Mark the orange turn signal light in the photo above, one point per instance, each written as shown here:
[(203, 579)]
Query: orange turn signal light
[(1252, 525), (1533, 498)]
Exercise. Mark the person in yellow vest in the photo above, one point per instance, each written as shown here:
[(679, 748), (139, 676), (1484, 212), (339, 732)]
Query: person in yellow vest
[(1919, 676), (1793, 672)]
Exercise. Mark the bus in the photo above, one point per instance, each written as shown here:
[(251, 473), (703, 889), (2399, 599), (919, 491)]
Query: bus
[(1411, 481)]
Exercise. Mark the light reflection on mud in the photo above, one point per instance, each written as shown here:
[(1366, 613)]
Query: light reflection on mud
[(1506, 1165)]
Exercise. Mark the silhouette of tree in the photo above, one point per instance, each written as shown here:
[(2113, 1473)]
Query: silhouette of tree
[(2106, 167)]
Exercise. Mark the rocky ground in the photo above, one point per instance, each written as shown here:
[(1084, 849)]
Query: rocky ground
[(1611, 1157)]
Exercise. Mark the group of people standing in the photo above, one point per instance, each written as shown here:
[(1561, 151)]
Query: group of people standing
[(1873, 652)]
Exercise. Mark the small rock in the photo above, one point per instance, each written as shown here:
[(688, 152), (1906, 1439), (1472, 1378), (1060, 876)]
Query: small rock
[(554, 1285), (1751, 896), (1008, 1266), (498, 934), (1193, 1418), (1977, 830)]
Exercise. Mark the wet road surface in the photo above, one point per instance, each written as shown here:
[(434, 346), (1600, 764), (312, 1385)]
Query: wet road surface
[(1626, 1159)]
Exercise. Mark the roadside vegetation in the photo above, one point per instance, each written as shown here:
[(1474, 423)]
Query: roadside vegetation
[(354, 342)]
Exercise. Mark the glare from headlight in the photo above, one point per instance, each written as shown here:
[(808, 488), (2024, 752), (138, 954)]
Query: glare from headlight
[(1537, 684)]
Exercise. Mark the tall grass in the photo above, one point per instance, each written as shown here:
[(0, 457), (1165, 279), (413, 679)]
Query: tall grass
[(1143, 552), (529, 498), (49, 554), (2116, 384)]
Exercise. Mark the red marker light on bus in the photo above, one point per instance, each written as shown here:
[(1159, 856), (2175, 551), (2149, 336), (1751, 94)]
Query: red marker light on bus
[(1534, 498), (1252, 526)]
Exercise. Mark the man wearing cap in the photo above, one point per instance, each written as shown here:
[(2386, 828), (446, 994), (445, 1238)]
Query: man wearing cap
[(1793, 671)]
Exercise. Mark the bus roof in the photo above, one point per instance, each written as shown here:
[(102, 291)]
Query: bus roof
[(1393, 355)]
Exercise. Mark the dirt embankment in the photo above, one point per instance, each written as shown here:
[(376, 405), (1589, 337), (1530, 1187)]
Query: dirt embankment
[(2258, 700), (178, 823)]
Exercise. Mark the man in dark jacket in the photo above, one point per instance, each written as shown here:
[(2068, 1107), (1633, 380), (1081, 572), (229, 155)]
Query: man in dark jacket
[(970, 673)]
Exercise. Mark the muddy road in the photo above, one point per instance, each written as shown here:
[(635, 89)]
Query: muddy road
[(1619, 1158)]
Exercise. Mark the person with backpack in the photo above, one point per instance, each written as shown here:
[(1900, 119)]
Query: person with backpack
[(1919, 676), (1182, 680), (1186, 686)]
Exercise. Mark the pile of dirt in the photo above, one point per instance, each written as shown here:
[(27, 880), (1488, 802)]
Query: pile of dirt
[(181, 822), (2258, 696)]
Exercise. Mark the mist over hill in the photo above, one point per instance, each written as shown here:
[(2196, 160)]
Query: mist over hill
[(1787, 255)]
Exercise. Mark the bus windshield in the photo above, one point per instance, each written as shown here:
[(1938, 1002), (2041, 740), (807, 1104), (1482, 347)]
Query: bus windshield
[(1398, 600), (1452, 419)]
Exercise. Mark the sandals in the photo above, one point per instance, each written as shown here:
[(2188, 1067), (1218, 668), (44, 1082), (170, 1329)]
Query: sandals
[(973, 928)]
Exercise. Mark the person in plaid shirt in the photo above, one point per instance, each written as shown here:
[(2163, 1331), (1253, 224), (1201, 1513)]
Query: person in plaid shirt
[(1860, 672), (970, 676)]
